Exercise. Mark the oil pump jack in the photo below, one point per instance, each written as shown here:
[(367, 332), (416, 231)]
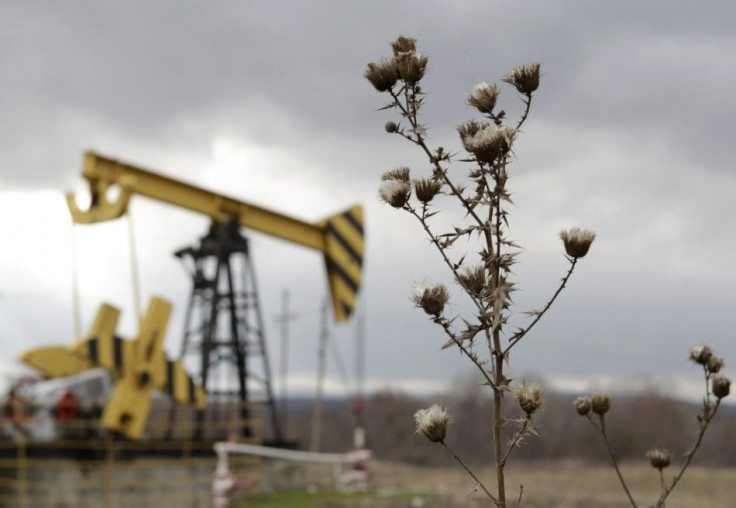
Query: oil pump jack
[(223, 323)]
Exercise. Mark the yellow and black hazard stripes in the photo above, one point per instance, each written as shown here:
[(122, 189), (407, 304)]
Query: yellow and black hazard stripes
[(181, 386), (344, 241), (108, 351)]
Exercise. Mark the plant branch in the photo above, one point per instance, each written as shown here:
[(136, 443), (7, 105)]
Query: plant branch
[(520, 334), (518, 437), (709, 414), (422, 219), (459, 460), (527, 104), (602, 430), (446, 326), (436, 163)]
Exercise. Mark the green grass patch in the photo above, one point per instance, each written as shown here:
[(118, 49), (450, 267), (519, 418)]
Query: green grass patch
[(304, 499)]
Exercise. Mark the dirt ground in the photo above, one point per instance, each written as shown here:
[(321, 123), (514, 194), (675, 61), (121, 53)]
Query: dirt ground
[(547, 485)]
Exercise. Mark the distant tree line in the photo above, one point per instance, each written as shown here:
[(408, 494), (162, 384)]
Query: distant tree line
[(637, 422)]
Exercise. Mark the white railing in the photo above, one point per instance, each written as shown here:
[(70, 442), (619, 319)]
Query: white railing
[(224, 481)]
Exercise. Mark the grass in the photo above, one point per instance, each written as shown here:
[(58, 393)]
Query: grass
[(562, 484), (307, 499)]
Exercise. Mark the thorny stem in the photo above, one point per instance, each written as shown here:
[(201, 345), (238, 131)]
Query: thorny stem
[(521, 493), (520, 335), (446, 326), (436, 163), (709, 414), (519, 435), (498, 422), (602, 430), (528, 104), (497, 356), (422, 219), (410, 112), (472, 475)]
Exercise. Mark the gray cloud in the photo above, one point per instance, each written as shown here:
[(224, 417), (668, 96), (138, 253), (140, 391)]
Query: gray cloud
[(630, 134)]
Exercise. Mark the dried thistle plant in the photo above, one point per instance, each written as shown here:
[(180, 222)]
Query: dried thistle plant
[(483, 275), (716, 387)]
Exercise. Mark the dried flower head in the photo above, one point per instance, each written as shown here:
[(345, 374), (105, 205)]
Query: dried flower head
[(411, 66), (582, 405), (404, 45), (394, 192), (600, 403), (426, 189), (721, 386), (473, 279), (715, 364), (401, 173), (382, 74), (529, 397), (391, 127), (577, 241), (469, 129), (433, 422), (487, 142), (659, 458), (525, 78), (484, 97), (701, 354), (431, 297)]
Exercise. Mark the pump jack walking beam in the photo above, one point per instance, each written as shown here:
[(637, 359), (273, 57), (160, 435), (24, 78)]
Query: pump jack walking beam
[(338, 237)]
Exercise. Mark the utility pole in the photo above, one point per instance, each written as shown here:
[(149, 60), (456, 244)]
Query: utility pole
[(321, 367), (284, 319), (359, 402)]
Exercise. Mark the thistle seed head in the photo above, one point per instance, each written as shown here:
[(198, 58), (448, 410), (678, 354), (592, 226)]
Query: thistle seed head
[(426, 189), (431, 297), (411, 66), (404, 45), (529, 397), (524, 78), (469, 129), (484, 97), (582, 405), (659, 458), (433, 422), (715, 364), (391, 127), (577, 241), (487, 142), (382, 74), (394, 192), (473, 279), (701, 354), (401, 173), (721, 386), (600, 403)]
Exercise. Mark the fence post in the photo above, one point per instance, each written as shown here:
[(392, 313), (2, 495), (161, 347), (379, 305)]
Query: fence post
[(22, 467), (223, 482), (109, 472)]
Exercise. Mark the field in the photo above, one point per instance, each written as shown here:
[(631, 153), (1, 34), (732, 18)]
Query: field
[(560, 485)]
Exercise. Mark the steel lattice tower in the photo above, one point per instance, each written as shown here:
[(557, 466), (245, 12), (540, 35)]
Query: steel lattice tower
[(223, 327)]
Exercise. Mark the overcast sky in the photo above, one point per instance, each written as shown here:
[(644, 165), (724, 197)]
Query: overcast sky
[(631, 134)]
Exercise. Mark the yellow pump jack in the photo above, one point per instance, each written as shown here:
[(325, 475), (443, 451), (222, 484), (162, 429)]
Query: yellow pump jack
[(139, 365)]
